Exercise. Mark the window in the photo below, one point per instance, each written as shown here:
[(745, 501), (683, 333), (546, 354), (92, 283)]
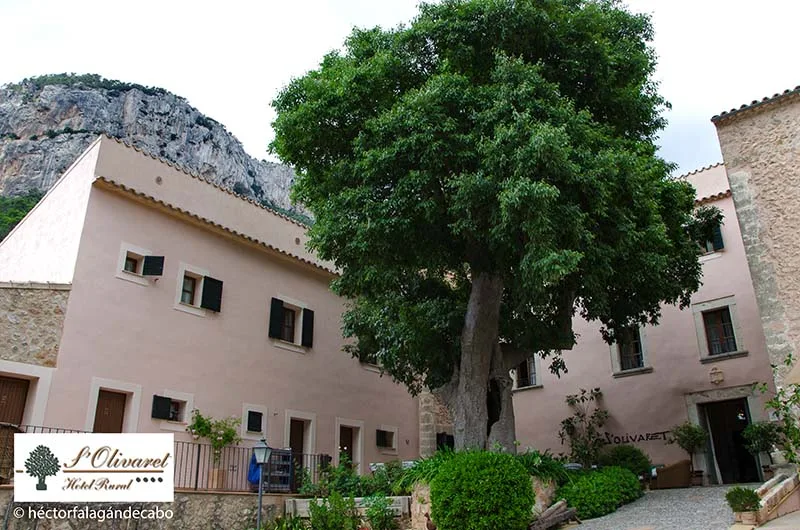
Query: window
[(526, 373), (137, 265), (287, 325), (384, 439), (631, 355), (197, 290), (719, 331), (715, 243), (285, 318), (255, 421), (131, 264), (167, 408), (188, 289)]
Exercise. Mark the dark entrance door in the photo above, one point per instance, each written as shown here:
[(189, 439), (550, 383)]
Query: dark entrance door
[(13, 394), (346, 442), (110, 412), (727, 420), (297, 430)]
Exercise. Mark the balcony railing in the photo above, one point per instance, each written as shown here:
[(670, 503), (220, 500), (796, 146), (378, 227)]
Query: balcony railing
[(196, 467)]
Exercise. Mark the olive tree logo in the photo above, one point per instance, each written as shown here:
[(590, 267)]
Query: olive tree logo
[(41, 463)]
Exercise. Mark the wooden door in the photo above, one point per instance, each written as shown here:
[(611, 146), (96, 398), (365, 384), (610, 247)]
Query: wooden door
[(110, 412), (297, 429), (346, 438), (13, 394)]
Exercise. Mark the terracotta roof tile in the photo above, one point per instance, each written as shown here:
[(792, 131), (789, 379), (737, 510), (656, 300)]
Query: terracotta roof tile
[(699, 170), (128, 189), (756, 104)]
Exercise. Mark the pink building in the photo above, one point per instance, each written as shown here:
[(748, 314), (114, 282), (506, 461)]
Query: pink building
[(698, 365), (135, 292)]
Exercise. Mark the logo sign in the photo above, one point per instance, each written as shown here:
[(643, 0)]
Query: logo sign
[(85, 467)]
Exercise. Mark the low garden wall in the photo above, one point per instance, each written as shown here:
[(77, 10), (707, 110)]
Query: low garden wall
[(190, 511)]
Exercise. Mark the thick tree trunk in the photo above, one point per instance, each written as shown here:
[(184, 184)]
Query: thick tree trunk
[(501, 409), (479, 340)]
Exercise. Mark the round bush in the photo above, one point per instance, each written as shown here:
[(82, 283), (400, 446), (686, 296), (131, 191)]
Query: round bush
[(482, 490), (600, 492), (629, 457)]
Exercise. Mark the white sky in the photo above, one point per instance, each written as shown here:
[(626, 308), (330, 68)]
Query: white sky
[(229, 59)]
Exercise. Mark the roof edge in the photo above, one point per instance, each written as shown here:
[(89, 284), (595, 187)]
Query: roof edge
[(755, 104)]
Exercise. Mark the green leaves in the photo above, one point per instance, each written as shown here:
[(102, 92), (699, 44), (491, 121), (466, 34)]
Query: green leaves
[(511, 138)]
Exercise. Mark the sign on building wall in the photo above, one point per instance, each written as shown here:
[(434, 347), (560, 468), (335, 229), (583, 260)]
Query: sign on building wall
[(84, 467)]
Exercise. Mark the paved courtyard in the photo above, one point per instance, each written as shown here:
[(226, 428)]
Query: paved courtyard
[(674, 509)]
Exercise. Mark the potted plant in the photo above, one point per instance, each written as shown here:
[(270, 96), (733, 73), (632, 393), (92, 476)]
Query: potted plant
[(760, 437), (744, 501), (220, 433), (691, 438)]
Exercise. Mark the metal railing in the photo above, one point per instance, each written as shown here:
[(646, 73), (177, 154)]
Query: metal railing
[(198, 468), (7, 431)]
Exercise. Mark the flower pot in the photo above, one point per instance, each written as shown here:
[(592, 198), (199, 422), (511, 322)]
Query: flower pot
[(697, 478), (216, 479), (749, 517)]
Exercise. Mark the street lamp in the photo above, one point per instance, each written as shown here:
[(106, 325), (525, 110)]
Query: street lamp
[(262, 452)]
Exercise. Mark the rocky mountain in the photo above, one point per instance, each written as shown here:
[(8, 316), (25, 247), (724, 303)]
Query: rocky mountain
[(47, 121)]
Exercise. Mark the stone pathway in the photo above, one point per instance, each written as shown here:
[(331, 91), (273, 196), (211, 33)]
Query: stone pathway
[(674, 509)]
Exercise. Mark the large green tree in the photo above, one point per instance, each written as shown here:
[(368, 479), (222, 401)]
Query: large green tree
[(479, 177)]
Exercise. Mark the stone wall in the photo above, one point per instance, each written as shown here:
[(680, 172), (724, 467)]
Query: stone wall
[(760, 146), (31, 321), (190, 511), (434, 417)]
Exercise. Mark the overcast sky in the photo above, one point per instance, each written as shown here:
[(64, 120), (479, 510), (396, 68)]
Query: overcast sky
[(229, 59)]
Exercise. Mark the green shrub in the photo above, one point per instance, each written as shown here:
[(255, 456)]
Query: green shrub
[(544, 466), (379, 513), (423, 470), (743, 499), (761, 436), (597, 493), (286, 523), (628, 484), (627, 456), (334, 513), (481, 490)]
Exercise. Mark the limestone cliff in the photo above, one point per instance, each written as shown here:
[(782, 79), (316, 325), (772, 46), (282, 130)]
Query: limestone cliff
[(47, 121)]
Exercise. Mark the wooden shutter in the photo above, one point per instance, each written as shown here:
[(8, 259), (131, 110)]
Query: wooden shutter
[(161, 408), (308, 328), (255, 421), (275, 318), (212, 294), (381, 438), (153, 266), (717, 238)]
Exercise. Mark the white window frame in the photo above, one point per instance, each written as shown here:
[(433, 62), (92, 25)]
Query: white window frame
[(537, 364), (139, 253), (395, 438), (132, 402), (700, 328), (250, 435), (297, 306), (188, 406), (358, 450), (616, 357), (199, 274)]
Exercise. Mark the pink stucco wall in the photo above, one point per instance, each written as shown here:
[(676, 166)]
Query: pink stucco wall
[(656, 401), (132, 335)]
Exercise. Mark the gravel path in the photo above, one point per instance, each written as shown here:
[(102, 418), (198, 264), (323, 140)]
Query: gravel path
[(675, 509)]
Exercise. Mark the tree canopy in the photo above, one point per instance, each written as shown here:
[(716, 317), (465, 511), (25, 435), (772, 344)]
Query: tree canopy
[(14, 208), (479, 177)]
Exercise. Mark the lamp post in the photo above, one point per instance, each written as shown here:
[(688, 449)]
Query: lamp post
[(262, 452)]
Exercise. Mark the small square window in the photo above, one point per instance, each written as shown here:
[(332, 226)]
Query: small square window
[(188, 289), (719, 331), (288, 324), (384, 439), (131, 263), (255, 421)]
